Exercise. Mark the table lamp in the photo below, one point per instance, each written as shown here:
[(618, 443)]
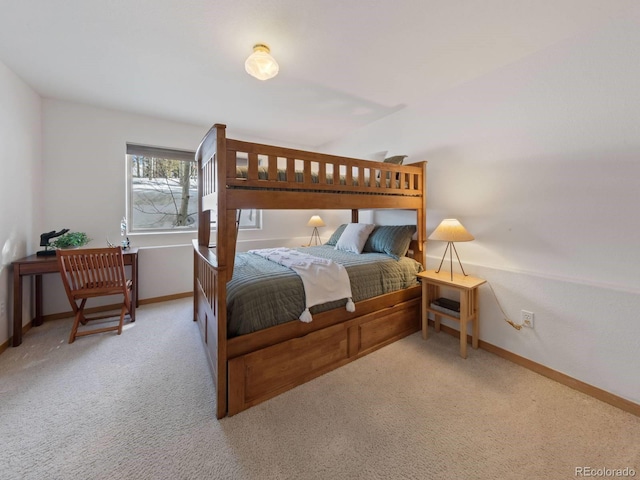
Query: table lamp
[(315, 222), (451, 230)]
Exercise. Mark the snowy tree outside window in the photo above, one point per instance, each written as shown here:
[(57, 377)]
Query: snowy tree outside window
[(162, 193)]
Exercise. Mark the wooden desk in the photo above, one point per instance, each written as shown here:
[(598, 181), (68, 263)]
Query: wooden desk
[(467, 287), (37, 266)]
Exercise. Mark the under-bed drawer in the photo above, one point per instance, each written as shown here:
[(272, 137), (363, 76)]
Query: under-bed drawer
[(265, 373), (383, 328), (256, 376)]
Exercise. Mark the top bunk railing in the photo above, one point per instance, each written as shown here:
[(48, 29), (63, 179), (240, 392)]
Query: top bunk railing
[(265, 167), (256, 166)]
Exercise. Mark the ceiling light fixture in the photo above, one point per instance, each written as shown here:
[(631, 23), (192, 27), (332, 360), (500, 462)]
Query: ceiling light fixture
[(261, 64)]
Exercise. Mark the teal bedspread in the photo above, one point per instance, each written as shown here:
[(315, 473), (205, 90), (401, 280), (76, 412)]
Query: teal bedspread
[(262, 293)]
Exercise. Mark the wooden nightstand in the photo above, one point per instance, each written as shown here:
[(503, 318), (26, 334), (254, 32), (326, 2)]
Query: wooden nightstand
[(467, 287)]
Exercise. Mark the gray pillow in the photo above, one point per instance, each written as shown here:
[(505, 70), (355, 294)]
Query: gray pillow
[(336, 235), (397, 159), (393, 240)]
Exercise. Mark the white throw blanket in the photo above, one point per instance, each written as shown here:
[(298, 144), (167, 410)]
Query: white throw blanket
[(324, 280)]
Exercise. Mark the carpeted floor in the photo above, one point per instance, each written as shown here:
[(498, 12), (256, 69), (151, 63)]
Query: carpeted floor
[(141, 406)]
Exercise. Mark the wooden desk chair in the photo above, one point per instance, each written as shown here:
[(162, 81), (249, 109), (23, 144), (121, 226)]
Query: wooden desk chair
[(89, 273)]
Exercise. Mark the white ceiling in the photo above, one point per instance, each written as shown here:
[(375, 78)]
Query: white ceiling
[(343, 63)]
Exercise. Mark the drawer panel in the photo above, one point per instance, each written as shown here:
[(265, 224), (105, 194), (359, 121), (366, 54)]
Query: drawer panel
[(293, 362), (384, 329)]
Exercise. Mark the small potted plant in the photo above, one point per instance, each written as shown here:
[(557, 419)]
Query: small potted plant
[(71, 240)]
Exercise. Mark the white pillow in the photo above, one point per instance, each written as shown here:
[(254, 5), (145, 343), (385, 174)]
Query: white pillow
[(354, 237)]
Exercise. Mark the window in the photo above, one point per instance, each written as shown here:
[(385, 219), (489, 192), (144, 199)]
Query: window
[(249, 219), (162, 190)]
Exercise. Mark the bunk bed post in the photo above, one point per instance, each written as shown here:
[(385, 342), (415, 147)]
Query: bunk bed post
[(354, 215), (224, 272), (226, 218), (421, 254), (210, 269)]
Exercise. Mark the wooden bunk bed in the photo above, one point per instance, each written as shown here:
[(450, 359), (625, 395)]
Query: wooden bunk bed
[(254, 367)]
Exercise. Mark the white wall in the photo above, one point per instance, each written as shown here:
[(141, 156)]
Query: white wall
[(84, 158), (84, 163), (541, 162), (20, 183)]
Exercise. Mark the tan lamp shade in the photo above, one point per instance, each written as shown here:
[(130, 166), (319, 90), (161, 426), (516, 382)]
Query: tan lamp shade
[(260, 64), (315, 221), (451, 230)]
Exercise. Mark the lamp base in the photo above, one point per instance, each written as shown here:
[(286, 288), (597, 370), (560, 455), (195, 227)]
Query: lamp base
[(451, 247), (315, 237)]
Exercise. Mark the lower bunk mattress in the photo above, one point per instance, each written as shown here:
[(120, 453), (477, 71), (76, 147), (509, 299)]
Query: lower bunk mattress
[(262, 293)]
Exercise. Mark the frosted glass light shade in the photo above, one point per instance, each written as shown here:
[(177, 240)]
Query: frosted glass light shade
[(315, 221), (261, 64), (451, 230)]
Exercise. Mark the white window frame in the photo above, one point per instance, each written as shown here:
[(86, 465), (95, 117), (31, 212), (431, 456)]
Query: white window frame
[(159, 153)]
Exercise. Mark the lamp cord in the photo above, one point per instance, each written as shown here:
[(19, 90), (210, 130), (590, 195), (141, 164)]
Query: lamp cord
[(506, 318)]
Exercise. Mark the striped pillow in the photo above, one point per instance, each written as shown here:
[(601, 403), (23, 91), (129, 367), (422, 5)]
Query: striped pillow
[(393, 240)]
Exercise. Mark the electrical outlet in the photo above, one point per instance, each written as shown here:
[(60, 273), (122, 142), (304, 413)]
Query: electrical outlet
[(3, 310), (527, 318)]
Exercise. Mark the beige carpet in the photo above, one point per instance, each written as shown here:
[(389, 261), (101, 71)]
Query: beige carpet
[(140, 406)]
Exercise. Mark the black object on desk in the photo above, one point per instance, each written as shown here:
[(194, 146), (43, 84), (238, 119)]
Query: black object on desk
[(44, 242)]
